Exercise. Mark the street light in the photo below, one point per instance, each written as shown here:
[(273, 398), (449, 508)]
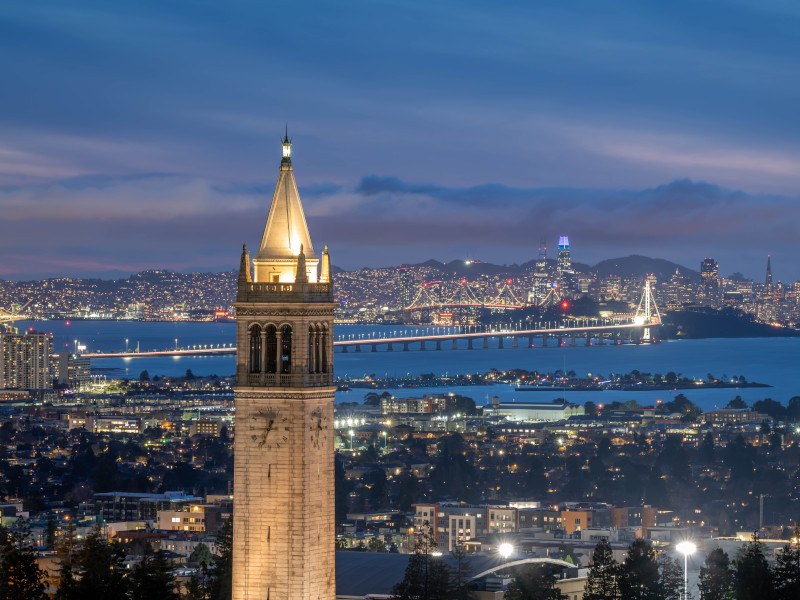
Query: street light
[(384, 440), (686, 548), (505, 550)]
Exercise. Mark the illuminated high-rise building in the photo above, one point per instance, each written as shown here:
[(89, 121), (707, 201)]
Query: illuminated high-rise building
[(768, 278), (709, 281), (283, 514), (564, 263), (541, 277), (406, 287), (25, 360)]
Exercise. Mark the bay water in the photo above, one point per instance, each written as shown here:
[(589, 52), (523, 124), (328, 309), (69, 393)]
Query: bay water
[(774, 361)]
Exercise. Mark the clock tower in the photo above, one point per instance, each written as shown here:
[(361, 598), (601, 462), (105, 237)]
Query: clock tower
[(283, 495)]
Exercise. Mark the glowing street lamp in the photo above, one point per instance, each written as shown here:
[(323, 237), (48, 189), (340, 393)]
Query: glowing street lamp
[(505, 550), (686, 548)]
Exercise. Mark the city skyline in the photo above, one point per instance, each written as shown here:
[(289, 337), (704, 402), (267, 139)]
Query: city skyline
[(643, 131)]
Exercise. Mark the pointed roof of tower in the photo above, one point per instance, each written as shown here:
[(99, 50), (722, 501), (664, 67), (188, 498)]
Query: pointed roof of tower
[(286, 230), (244, 266), (768, 279)]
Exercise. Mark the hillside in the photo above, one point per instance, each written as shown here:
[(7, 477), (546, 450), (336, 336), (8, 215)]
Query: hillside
[(639, 266)]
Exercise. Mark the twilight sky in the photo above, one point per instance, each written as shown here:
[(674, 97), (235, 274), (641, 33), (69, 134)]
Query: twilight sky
[(145, 134)]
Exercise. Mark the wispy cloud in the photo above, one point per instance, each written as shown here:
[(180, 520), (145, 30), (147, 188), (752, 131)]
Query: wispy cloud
[(159, 220)]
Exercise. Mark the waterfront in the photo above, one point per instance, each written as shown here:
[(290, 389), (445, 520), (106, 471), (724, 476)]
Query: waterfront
[(767, 360)]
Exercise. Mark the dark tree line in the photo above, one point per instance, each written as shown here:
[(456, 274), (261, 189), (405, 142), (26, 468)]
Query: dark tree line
[(645, 576), (95, 568), (429, 577), (642, 575)]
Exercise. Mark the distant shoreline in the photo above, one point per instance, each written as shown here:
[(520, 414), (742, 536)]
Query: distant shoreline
[(642, 388)]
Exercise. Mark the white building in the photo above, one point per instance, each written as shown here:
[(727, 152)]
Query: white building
[(536, 412)]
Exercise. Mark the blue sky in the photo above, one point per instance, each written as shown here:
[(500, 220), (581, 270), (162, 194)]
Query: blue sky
[(140, 135)]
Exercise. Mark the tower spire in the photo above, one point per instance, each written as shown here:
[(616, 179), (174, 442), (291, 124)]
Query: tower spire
[(325, 269), (286, 230), (287, 149), (244, 266), (301, 276)]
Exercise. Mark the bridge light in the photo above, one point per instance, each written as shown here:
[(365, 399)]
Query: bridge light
[(564, 305)]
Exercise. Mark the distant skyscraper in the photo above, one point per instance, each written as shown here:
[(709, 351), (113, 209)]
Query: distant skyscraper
[(25, 361), (768, 279), (541, 277), (406, 287), (564, 263), (709, 277)]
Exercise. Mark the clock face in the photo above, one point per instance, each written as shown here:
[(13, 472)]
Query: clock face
[(270, 428), (317, 426)]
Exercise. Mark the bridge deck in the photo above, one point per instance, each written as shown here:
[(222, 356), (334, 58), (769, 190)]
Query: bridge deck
[(561, 331)]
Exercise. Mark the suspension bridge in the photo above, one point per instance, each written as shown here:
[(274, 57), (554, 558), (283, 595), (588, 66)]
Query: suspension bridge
[(437, 295)]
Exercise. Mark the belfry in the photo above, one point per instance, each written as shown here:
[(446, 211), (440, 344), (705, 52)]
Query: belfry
[(283, 516)]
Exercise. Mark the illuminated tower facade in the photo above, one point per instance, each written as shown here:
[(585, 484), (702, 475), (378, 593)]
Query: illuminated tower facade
[(564, 263), (283, 517), (541, 278), (768, 278), (709, 278)]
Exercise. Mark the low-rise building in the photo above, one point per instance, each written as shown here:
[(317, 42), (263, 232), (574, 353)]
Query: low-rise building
[(134, 506), (195, 517)]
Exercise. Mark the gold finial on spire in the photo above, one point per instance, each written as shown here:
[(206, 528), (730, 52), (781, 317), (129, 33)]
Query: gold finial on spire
[(244, 266), (301, 276), (325, 272)]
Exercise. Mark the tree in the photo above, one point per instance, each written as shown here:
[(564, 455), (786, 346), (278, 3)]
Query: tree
[(671, 575), (793, 409), (770, 407), (152, 578), (201, 555), (603, 580), (200, 584), (342, 489), (639, 575), (20, 576), (376, 544), (144, 376), (221, 587), (100, 567), (737, 402), (787, 571), (707, 452), (65, 550), (681, 404), (534, 582), (460, 576), (426, 576), (50, 531), (752, 577), (716, 579)]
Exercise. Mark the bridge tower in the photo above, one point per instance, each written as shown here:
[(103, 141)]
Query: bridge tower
[(647, 311), (283, 516)]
